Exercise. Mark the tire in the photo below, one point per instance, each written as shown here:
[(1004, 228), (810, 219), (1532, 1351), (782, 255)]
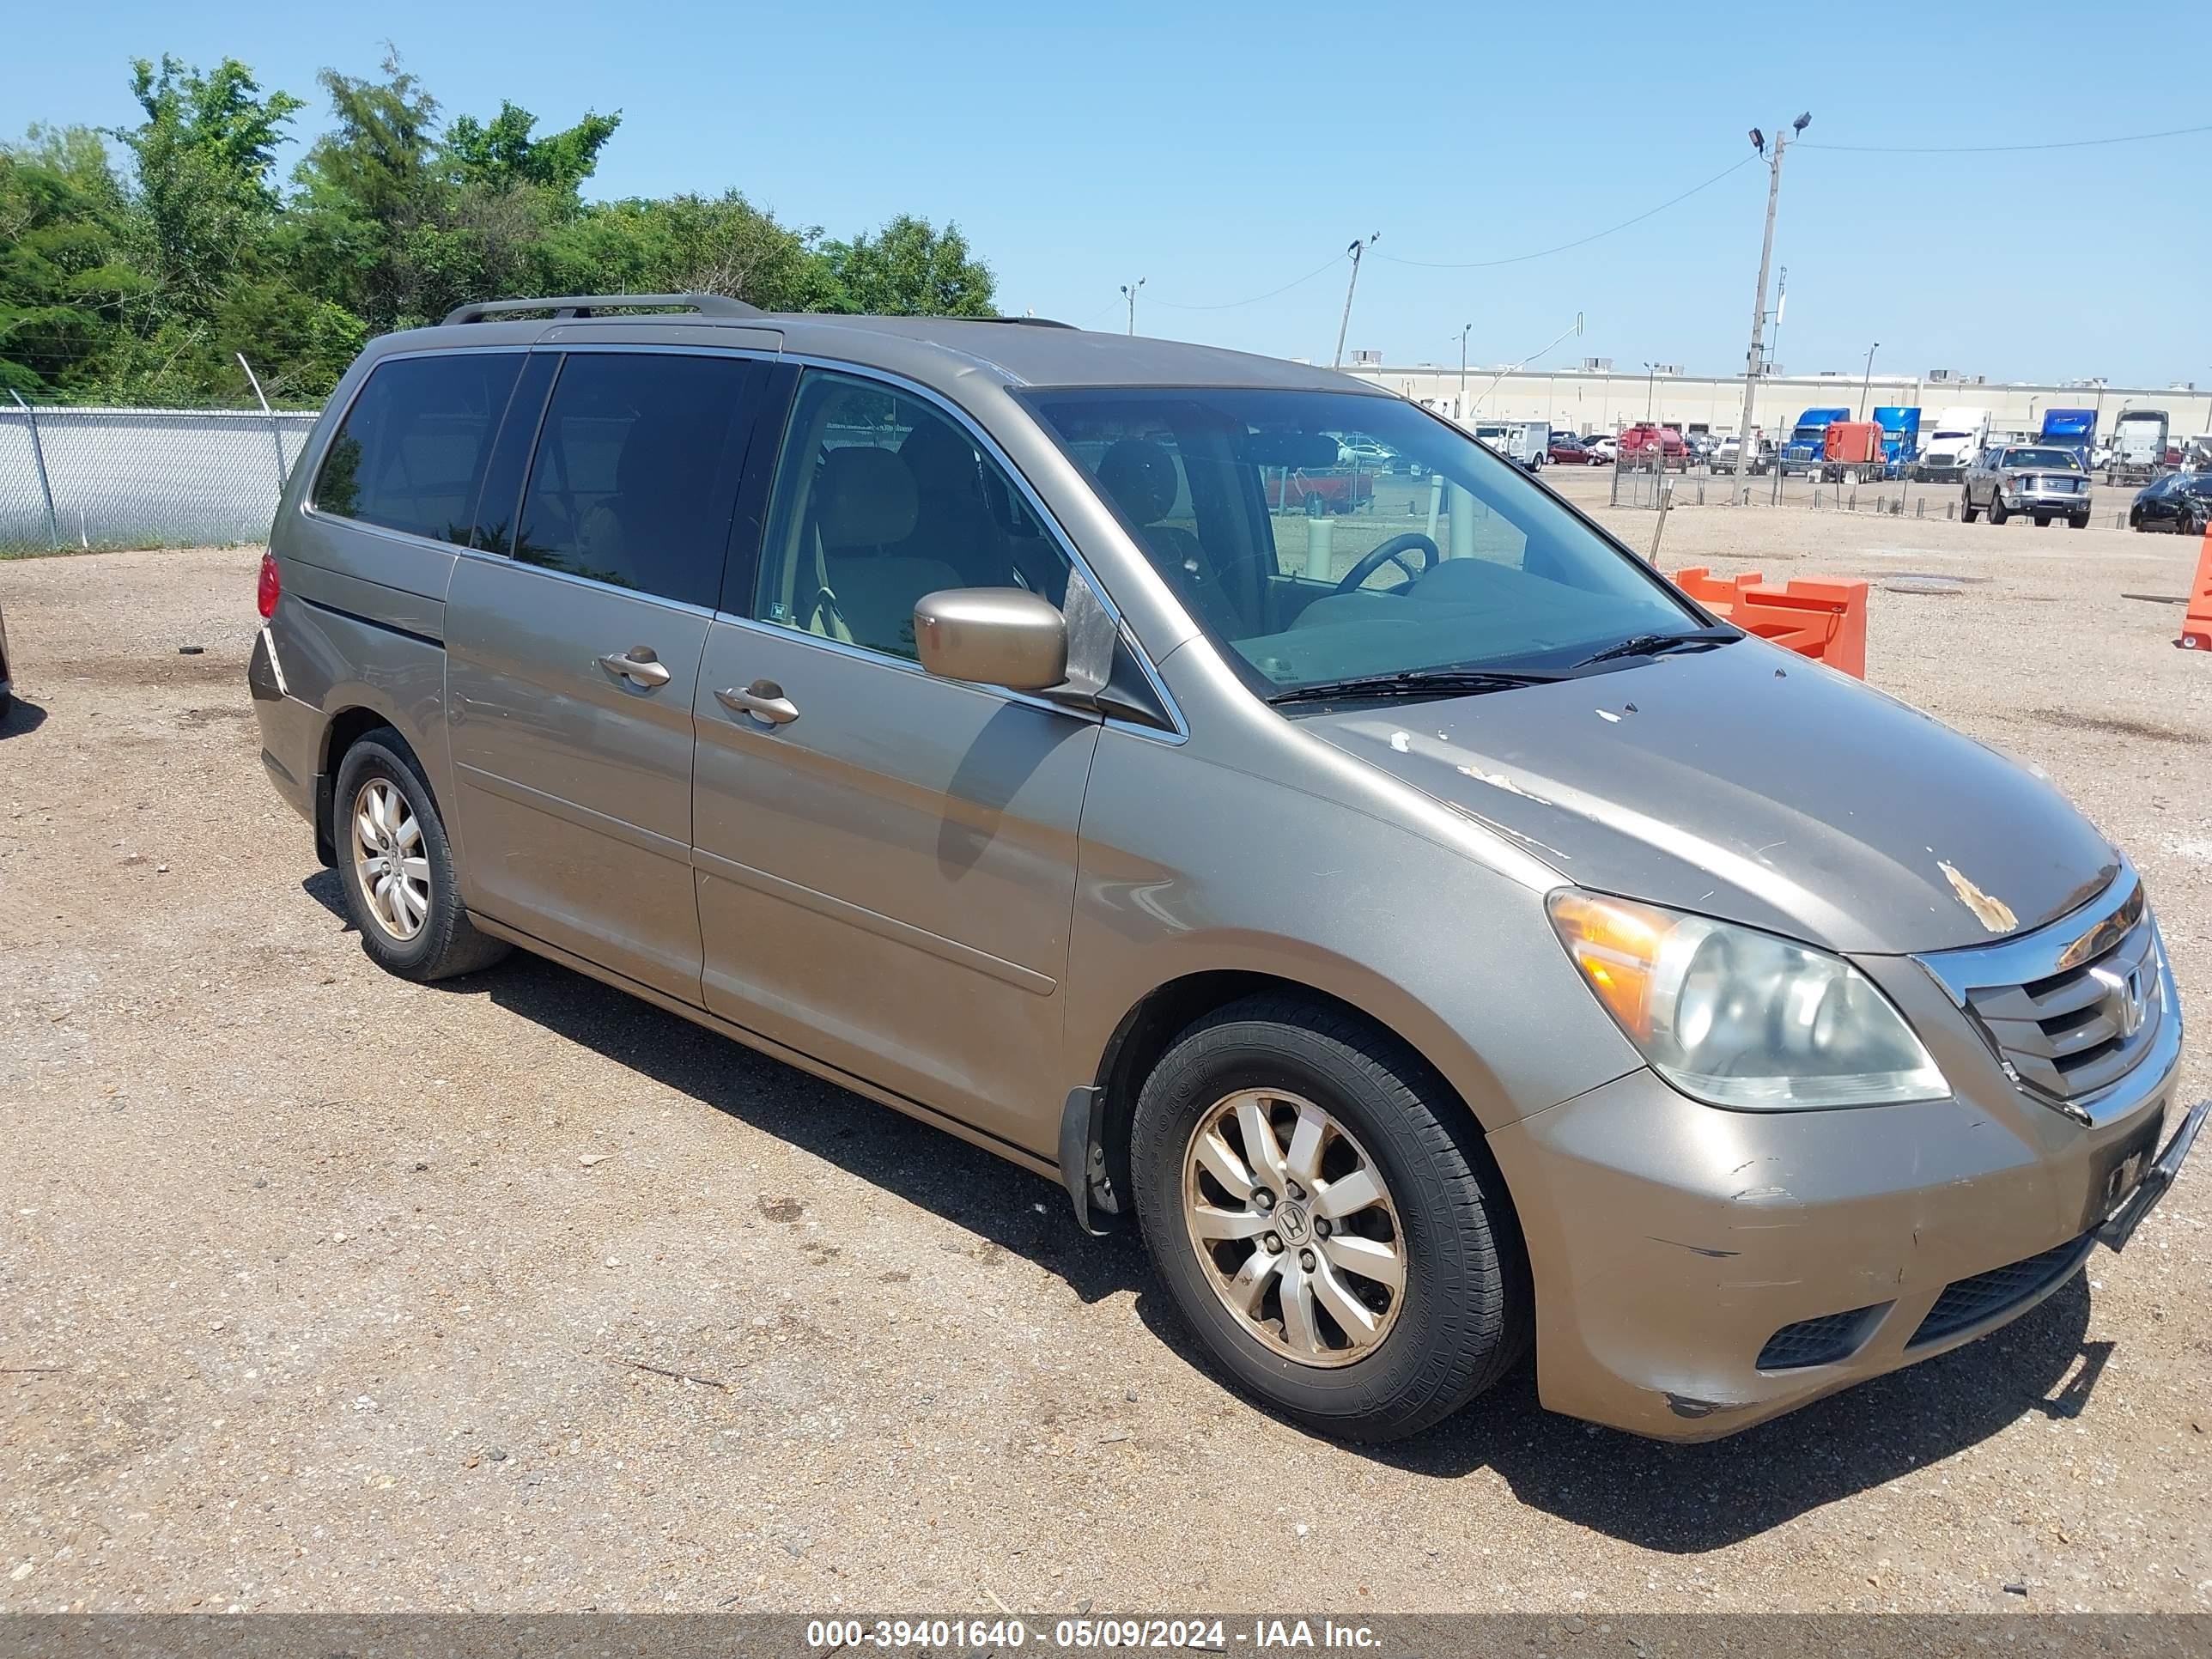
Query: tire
[(1464, 1314), (2190, 524), (378, 768), (1998, 513), (2078, 521), (1966, 507)]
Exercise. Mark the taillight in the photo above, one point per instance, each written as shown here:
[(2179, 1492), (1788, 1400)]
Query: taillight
[(270, 587)]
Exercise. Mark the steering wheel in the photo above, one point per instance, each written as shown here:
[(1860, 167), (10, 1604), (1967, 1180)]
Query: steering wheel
[(1392, 551)]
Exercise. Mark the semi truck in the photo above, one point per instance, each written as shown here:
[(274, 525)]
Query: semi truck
[(2070, 428), (1808, 445), (1961, 433), (2138, 447), (1900, 438)]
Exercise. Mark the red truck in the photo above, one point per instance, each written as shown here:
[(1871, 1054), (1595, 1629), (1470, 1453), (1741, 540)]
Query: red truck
[(1645, 446), (1852, 449)]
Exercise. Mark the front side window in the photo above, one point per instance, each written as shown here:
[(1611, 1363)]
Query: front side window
[(1441, 555), (879, 498), (410, 452), (635, 475)]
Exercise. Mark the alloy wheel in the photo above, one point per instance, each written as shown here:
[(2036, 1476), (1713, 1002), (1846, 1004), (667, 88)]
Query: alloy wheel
[(388, 860), (1294, 1227)]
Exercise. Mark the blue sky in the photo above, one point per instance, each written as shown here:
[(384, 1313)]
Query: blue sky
[(1222, 151)]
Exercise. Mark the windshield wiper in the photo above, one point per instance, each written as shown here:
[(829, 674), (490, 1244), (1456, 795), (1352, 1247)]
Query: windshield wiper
[(1653, 645), (1412, 682)]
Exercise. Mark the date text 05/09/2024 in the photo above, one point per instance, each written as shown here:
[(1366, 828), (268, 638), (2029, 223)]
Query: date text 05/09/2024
[(1075, 1635)]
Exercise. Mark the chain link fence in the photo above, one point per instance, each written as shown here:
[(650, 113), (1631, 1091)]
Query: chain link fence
[(75, 477), (1637, 482)]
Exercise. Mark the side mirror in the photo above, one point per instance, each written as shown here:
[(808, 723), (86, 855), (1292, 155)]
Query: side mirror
[(1004, 637)]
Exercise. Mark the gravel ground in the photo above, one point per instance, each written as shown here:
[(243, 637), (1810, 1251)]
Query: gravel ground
[(319, 1291)]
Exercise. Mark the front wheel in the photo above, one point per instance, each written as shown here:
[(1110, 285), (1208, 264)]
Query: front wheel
[(1966, 507), (397, 867), (1997, 512), (1326, 1220), (2079, 522)]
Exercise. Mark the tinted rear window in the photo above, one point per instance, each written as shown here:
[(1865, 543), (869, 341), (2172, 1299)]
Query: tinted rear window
[(635, 474), (410, 454)]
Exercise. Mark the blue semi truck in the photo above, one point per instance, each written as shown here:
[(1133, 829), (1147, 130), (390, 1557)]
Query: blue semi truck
[(1808, 439), (2071, 428), (1900, 438)]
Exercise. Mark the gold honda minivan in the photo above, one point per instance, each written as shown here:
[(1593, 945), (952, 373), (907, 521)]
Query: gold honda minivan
[(1233, 792)]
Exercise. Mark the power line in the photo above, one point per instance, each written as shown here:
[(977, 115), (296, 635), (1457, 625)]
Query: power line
[(1232, 305), (2002, 150), (1582, 241)]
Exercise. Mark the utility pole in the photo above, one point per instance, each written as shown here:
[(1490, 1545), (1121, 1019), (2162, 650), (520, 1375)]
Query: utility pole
[(1129, 293), (1459, 408), (1752, 363), (1651, 386), (1356, 249), (1866, 385)]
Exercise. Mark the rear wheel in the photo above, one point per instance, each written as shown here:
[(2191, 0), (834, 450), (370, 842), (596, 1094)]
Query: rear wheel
[(1326, 1220), (397, 867)]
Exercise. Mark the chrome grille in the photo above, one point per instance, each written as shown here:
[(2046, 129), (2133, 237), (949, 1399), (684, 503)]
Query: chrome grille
[(2074, 1007)]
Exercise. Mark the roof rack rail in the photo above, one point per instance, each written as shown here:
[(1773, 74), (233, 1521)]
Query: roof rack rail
[(585, 305)]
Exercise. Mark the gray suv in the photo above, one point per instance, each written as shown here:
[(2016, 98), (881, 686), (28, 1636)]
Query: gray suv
[(1415, 920)]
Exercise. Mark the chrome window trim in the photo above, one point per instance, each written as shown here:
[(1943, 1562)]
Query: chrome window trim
[(647, 595)]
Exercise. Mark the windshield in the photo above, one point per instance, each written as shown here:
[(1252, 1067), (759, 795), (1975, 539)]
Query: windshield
[(2059, 458), (1445, 555)]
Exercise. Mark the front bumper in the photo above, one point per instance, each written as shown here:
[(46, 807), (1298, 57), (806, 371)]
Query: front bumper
[(2035, 501), (1698, 1271)]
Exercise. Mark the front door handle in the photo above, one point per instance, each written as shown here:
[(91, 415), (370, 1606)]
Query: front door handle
[(639, 666), (763, 700)]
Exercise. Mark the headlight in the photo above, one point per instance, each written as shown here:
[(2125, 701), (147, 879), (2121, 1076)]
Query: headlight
[(1737, 1018)]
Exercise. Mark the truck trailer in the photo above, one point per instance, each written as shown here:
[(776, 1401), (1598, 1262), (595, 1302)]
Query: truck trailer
[(2138, 447), (1852, 450)]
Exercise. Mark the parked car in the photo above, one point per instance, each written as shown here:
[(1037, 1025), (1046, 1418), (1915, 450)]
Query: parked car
[(877, 693), (1362, 452), (2179, 502), (2047, 482), (1568, 450), (1604, 449)]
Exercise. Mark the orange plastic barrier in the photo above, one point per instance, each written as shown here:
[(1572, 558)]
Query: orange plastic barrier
[(2196, 621), (1825, 621)]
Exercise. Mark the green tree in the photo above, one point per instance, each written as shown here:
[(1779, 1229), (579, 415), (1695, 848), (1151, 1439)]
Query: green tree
[(908, 268), (501, 153)]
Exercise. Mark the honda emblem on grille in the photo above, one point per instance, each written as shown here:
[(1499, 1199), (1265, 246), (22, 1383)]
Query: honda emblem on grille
[(2126, 998)]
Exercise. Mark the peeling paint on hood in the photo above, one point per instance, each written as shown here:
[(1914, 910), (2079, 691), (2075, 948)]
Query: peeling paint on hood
[(1808, 805)]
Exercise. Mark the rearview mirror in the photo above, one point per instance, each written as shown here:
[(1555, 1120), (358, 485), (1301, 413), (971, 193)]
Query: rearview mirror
[(1004, 637)]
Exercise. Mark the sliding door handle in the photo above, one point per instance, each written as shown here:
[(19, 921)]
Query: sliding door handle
[(763, 700), (639, 666)]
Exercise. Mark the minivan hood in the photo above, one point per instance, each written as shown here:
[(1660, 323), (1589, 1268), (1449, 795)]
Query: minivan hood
[(1751, 785)]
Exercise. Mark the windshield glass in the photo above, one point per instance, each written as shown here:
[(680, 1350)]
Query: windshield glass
[(2060, 458), (1444, 556)]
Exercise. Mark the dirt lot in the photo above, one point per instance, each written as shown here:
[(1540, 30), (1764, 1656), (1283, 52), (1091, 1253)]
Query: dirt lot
[(319, 1291)]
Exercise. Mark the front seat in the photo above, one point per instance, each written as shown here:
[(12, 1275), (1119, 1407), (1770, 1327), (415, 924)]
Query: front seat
[(867, 509)]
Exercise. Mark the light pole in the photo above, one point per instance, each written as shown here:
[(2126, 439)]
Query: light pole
[(1129, 293), (1459, 408), (1650, 387), (1866, 385), (1356, 249), (1752, 366)]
